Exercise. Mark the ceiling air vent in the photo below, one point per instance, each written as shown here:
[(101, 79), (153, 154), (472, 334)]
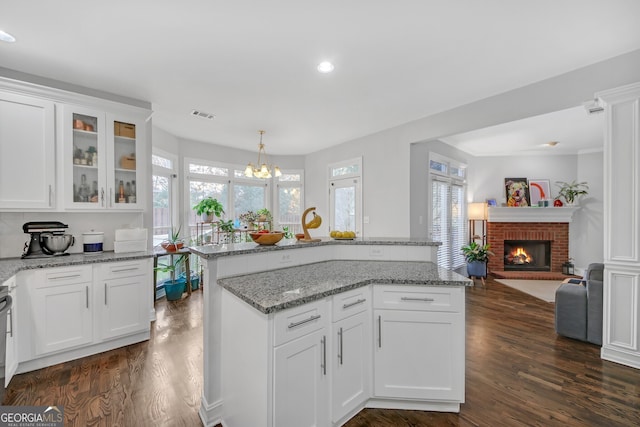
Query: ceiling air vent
[(202, 114)]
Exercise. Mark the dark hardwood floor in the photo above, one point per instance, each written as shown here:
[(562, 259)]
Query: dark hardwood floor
[(519, 373)]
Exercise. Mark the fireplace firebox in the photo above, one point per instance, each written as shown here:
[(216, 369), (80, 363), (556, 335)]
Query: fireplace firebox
[(527, 255)]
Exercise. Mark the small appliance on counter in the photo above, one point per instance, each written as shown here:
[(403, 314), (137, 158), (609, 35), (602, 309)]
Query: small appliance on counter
[(48, 238), (92, 242)]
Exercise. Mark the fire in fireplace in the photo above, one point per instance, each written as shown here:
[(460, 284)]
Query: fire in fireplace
[(531, 255)]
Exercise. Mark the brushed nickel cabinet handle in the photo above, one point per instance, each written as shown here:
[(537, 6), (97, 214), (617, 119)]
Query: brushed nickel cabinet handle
[(323, 341), (417, 299), (351, 304), (340, 345), (68, 276), (105, 294), (50, 194), (302, 322), (86, 292), (379, 331)]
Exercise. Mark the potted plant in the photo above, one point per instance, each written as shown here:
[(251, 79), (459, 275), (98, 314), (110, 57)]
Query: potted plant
[(477, 257), (570, 191), (248, 217), (264, 215), (174, 286), (207, 208), (174, 242)]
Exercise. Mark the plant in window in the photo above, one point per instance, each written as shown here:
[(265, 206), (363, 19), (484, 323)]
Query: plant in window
[(248, 217), (264, 215), (208, 207), (226, 226)]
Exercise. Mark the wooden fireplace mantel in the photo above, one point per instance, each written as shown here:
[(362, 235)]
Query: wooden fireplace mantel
[(531, 214)]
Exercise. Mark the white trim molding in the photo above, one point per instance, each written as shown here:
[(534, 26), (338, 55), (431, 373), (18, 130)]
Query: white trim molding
[(551, 214)]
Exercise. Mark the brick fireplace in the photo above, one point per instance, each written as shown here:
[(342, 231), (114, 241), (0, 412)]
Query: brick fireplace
[(529, 224)]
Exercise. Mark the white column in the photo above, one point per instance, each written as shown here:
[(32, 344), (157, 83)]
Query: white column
[(621, 326), (211, 402)]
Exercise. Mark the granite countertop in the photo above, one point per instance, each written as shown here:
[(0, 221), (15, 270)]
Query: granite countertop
[(214, 251), (11, 266), (277, 290)]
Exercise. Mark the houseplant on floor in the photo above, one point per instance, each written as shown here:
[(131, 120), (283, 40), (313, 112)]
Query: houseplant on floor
[(207, 208), (570, 191), (477, 257), (174, 286)]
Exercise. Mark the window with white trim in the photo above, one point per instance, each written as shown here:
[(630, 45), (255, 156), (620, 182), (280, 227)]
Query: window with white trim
[(164, 189), (448, 209), (345, 196), (289, 201)]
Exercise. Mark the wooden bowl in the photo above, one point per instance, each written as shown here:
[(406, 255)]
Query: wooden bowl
[(299, 236), (267, 239)]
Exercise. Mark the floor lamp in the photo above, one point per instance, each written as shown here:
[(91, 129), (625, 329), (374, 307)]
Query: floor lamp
[(477, 212)]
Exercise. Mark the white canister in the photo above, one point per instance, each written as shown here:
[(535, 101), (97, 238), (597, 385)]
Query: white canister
[(92, 241)]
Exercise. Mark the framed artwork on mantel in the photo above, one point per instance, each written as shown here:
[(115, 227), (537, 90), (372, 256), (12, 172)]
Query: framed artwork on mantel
[(539, 189), (517, 192)]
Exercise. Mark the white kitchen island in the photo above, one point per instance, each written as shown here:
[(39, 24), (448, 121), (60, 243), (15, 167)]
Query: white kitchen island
[(310, 334)]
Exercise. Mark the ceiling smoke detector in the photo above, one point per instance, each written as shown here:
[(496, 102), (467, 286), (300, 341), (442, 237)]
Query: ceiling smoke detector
[(202, 114)]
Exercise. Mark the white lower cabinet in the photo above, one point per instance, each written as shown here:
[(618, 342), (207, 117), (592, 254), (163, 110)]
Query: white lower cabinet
[(300, 382), (11, 349), (351, 345), (419, 344), (62, 309), (70, 312), (384, 346), (121, 298)]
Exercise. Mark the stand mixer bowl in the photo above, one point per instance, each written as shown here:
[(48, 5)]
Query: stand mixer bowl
[(56, 244)]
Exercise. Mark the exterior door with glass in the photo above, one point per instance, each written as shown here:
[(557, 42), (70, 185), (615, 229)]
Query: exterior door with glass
[(345, 205)]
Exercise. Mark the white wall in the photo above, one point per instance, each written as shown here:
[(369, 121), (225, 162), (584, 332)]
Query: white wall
[(386, 175), (587, 243)]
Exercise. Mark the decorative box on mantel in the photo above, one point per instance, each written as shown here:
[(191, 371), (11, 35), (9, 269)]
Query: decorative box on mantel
[(554, 214)]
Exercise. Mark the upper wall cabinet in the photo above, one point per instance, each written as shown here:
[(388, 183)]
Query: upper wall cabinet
[(27, 152), (99, 160)]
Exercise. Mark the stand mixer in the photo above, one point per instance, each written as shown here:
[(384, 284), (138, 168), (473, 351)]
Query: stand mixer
[(48, 238)]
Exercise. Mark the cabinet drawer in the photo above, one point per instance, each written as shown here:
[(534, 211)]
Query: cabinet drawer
[(117, 270), (299, 321), (63, 276), (351, 302), (419, 298)]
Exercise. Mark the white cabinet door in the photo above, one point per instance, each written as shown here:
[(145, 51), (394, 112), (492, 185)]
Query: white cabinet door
[(62, 317), (11, 353), (123, 306), (419, 355), (351, 365), (100, 158), (27, 152), (301, 386)]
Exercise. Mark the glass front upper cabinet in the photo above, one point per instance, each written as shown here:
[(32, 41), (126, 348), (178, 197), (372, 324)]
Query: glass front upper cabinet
[(86, 153), (102, 149), (124, 161)]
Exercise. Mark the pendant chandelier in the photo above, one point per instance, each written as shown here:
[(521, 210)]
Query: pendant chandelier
[(261, 169)]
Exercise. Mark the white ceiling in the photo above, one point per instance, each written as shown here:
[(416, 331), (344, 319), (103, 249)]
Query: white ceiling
[(574, 131), (252, 63)]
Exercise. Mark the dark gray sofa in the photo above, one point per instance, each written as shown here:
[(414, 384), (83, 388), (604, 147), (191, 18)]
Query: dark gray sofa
[(579, 307)]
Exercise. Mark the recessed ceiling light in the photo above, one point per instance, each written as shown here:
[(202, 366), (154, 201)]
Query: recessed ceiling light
[(552, 143), (325, 67), (6, 37)]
